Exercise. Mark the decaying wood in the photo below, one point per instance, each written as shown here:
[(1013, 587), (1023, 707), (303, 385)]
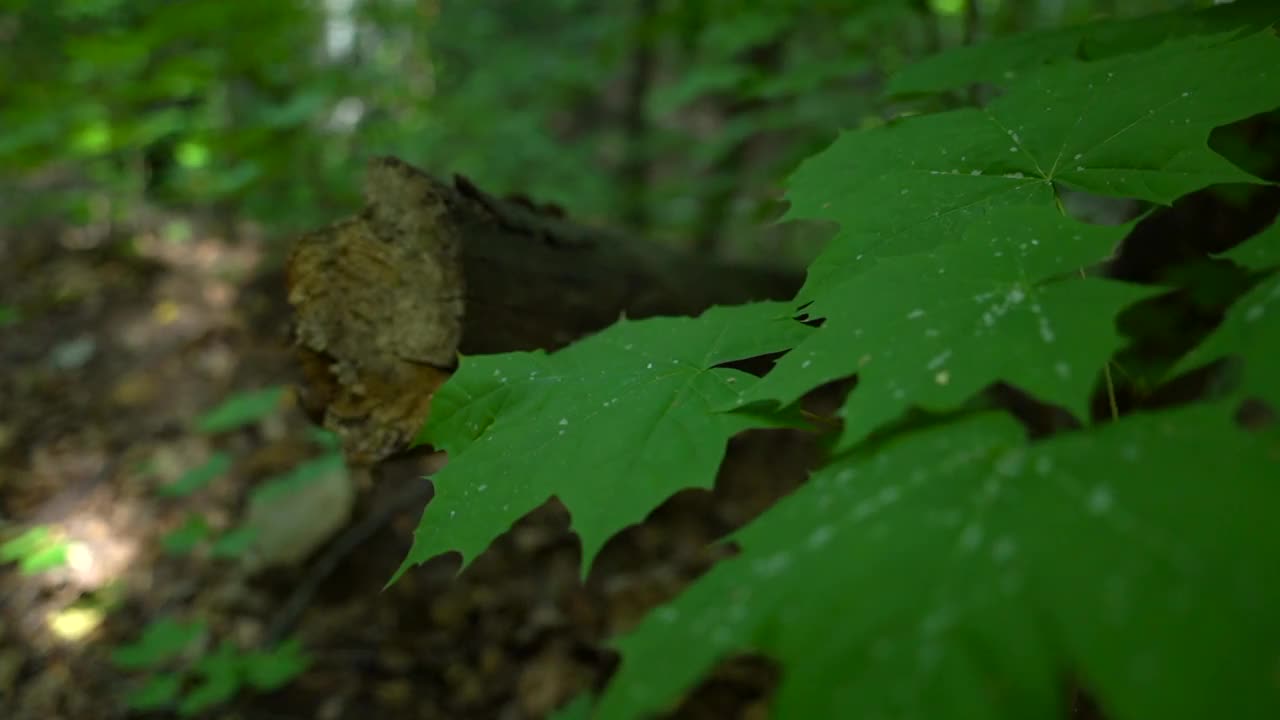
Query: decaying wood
[(386, 300)]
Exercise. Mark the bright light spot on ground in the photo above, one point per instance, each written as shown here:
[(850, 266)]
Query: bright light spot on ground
[(74, 624)]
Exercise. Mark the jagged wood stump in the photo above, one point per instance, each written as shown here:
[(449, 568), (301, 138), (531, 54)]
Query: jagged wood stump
[(385, 301)]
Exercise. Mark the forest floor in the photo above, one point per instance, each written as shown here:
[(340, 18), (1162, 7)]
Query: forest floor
[(111, 353)]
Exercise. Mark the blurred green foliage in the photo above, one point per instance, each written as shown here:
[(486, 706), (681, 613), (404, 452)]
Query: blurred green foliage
[(9, 315), (163, 640), (184, 538), (300, 476), (37, 549), (240, 409), (673, 119), (233, 104), (213, 677), (196, 478)]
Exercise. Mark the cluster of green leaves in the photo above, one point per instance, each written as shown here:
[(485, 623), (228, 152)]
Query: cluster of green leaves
[(41, 548), (950, 567), (176, 669), (697, 109), (202, 103), (186, 107), (179, 673), (195, 531), (241, 409)]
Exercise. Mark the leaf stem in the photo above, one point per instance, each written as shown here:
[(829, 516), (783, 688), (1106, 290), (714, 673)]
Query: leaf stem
[(1111, 385), (820, 419)]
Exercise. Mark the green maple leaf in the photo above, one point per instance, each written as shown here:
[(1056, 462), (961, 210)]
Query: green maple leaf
[(1251, 328), (1006, 302), (1134, 126), (1261, 252), (1006, 59), (611, 425), (960, 573), (578, 709)]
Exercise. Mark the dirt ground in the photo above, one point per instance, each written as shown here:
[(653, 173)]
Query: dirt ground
[(119, 345)]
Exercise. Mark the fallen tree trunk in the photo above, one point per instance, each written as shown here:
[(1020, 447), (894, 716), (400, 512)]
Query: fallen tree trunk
[(385, 301)]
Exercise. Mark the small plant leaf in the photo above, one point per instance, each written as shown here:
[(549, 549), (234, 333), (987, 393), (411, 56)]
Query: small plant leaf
[(156, 692), (219, 681), (9, 315), (234, 544), (272, 669), (241, 409), (304, 473), (28, 542), (44, 559), (187, 536), (326, 439), (35, 550), (196, 478), (162, 640)]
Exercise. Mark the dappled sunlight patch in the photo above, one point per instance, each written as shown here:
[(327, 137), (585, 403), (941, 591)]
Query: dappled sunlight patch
[(207, 255), (75, 624), (79, 622), (104, 542), (83, 558)]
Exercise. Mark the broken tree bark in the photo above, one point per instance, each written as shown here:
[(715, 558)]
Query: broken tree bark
[(386, 300)]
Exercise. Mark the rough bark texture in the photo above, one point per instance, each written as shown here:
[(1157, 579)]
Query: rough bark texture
[(386, 300)]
